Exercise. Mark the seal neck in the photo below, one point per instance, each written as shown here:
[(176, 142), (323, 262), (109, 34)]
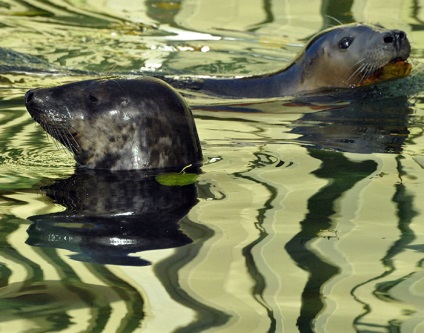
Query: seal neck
[(285, 82)]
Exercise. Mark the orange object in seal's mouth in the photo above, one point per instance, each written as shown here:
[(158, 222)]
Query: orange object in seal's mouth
[(395, 69)]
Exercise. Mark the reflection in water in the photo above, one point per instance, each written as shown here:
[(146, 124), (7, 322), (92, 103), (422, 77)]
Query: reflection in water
[(112, 214), (50, 301), (385, 283), (370, 126), (109, 217), (355, 125), (163, 11), (261, 160), (169, 272), (36, 301), (342, 174), (365, 127)]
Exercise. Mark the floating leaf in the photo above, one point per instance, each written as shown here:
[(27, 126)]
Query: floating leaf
[(176, 179)]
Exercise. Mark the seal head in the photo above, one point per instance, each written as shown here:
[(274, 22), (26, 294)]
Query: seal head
[(119, 124), (347, 56)]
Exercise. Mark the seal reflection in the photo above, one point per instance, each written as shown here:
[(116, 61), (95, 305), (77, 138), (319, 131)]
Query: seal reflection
[(362, 126), (110, 215)]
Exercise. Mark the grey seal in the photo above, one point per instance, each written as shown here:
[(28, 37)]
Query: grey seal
[(119, 124), (340, 57)]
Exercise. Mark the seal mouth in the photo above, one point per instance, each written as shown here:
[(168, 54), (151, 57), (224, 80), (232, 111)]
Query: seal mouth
[(394, 69)]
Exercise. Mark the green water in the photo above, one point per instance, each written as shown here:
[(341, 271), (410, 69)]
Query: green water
[(307, 216)]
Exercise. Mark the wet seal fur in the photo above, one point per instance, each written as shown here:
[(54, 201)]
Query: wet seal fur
[(340, 57), (122, 124)]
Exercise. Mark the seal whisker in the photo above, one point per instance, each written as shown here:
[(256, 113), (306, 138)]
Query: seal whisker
[(108, 72), (334, 19), (367, 71), (69, 140), (357, 72), (55, 133), (62, 136), (76, 148), (371, 68), (117, 83), (360, 61), (65, 140), (50, 134)]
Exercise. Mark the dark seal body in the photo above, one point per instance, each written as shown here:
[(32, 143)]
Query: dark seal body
[(119, 124), (340, 57)]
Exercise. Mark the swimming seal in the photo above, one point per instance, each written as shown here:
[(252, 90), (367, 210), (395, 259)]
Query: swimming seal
[(340, 57), (121, 124)]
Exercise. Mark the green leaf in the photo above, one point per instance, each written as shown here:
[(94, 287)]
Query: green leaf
[(176, 179)]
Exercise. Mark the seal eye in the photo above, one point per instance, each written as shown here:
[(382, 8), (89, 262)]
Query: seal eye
[(345, 43), (93, 99)]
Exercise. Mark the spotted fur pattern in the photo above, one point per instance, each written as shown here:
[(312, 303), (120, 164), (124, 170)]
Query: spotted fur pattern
[(120, 124)]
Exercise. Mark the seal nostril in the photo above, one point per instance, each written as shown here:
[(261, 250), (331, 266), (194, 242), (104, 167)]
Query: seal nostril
[(29, 96), (388, 39), (400, 35)]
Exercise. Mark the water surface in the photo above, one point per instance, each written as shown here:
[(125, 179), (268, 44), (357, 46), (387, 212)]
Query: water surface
[(307, 216)]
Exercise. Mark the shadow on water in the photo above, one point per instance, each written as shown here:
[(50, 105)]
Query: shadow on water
[(110, 215)]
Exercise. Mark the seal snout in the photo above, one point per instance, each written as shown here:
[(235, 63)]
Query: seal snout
[(34, 100), (34, 103), (397, 38), (32, 97)]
